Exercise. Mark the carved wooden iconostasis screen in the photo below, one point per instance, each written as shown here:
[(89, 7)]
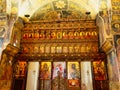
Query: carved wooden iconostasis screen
[(67, 52), (65, 75)]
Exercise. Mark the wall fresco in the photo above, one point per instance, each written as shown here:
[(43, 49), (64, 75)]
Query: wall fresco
[(67, 7), (5, 71), (117, 45), (2, 6), (113, 66)]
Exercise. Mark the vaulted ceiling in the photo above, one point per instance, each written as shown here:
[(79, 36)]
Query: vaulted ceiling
[(46, 9)]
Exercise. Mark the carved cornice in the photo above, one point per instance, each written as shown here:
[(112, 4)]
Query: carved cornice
[(11, 50), (107, 46), (64, 57)]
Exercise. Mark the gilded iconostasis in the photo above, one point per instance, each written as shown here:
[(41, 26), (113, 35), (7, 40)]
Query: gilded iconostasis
[(45, 9), (34, 10)]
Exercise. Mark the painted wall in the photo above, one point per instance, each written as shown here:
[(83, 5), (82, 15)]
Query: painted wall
[(113, 69)]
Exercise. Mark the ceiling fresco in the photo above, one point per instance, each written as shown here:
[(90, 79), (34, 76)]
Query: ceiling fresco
[(43, 9), (59, 9), (40, 7)]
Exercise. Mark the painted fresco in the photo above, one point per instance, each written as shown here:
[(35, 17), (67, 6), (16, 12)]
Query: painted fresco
[(16, 32), (117, 45), (110, 69), (5, 67), (2, 6), (60, 4), (116, 26), (113, 66), (2, 31), (99, 70), (65, 8), (41, 12), (5, 71), (12, 11), (103, 4), (1, 45), (115, 15), (105, 14), (104, 25), (3, 22)]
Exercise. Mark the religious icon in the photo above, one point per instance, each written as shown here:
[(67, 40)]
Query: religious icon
[(76, 35), (53, 49), (65, 49), (59, 66), (73, 83), (48, 36), (73, 74), (99, 70), (59, 75), (88, 47), (94, 48), (94, 35), (36, 34), (71, 49), (53, 35), (88, 35), (76, 49), (65, 36), (47, 49), (116, 27), (36, 49), (45, 70), (31, 35), (42, 35), (59, 49), (20, 69), (59, 35), (82, 34), (25, 49), (83, 48), (73, 70), (42, 49), (70, 34), (25, 35)]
